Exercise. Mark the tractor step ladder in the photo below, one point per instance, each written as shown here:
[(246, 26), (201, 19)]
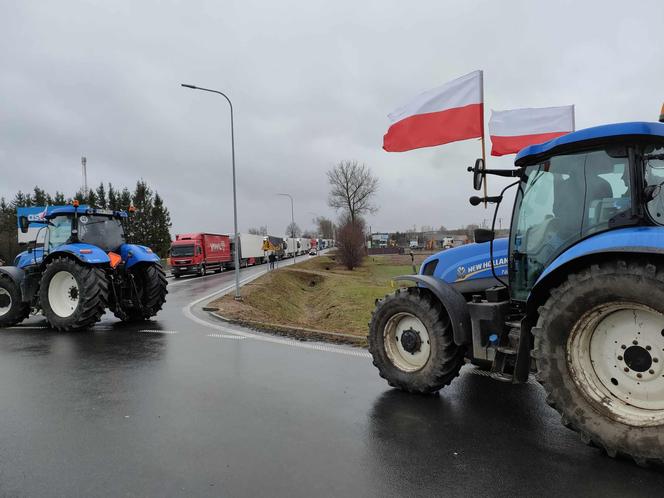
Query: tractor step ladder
[(506, 353)]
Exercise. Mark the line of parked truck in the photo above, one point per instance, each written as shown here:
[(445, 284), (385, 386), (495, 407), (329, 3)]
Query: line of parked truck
[(199, 253)]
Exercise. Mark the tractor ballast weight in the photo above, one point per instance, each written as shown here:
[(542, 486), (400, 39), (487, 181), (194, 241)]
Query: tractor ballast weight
[(582, 271), (84, 267)]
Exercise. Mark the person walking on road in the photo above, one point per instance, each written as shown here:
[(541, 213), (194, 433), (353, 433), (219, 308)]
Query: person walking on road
[(271, 259)]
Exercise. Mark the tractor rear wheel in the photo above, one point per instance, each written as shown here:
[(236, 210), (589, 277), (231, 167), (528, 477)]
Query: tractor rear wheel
[(411, 341), (599, 347), (151, 289), (73, 296), (12, 309)]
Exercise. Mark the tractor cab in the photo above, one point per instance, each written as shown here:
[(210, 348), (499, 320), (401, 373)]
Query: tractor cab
[(579, 186), (102, 229)]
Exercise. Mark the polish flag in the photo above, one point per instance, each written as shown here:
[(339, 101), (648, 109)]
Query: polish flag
[(515, 129), (449, 113)]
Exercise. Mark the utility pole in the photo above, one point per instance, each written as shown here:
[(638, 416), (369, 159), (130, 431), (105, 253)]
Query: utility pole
[(236, 257), (84, 171)]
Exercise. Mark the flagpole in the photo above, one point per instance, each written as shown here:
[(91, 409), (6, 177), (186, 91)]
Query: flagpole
[(483, 144)]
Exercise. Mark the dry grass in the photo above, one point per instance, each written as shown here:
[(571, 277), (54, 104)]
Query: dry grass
[(318, 294)]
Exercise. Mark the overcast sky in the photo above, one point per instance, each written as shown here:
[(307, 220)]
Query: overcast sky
[(312, 83)]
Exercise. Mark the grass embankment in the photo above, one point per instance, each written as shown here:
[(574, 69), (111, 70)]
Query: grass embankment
[(318, 294)]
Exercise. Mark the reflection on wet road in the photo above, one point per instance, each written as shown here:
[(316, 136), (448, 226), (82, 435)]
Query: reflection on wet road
[(175, 407)]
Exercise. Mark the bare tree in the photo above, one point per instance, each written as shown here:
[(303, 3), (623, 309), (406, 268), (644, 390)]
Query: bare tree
[(353, 187), (325, 227), (350, 242), (293, 230), (258, 231)]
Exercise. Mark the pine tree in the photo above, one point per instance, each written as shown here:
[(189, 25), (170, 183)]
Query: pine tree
[(161, 220), (124, 200), (101, 196), (91, 199), (142, 223), (39, 197), (113, 202), (59, 199)]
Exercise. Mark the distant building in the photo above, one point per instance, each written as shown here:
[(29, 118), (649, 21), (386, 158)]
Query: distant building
[(380, 240)]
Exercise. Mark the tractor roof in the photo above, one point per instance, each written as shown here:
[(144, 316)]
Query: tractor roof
[(588, 136), (83, 210)]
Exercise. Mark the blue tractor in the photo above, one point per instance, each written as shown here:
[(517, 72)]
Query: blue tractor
[(84, 268), (575, 294)]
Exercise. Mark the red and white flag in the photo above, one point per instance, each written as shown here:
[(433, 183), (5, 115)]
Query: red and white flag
[(449, 113), (515, 129)]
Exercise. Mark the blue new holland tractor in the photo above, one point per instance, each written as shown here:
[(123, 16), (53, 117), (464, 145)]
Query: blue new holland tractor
[(575, 294), (84, 267)]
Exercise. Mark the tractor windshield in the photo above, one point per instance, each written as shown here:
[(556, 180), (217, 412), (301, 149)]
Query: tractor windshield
[(560, 201), (105, 232)]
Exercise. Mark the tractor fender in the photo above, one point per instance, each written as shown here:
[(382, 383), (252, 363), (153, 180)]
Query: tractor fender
[(453, 302), (85, 253), (133, 254), (632, 240), (18, 277), (16, 274)]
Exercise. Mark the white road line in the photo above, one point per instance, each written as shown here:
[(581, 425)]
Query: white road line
[(186, 310), (225, 336), (155, 331), (27, 327)]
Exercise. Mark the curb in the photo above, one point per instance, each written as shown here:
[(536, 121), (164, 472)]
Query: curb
[(299, 333)]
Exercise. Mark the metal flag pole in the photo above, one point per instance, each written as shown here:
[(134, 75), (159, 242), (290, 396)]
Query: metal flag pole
[(486, 205)]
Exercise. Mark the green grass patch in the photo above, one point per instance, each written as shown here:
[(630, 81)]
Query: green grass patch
[(318, 294)]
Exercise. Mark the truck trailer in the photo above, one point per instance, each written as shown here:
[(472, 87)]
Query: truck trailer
[(196, 253), (251, 250)]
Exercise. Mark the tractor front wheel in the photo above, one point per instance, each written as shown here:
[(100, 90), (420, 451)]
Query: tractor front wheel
[(599, 347), (411, 341), (73, 296), (149, 289), (12, 309)]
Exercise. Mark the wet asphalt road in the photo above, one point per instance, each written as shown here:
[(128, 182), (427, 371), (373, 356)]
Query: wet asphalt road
[(198, 410)]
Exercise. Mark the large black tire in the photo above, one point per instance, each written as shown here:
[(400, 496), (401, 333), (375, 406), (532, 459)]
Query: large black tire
[(12, 309), (151, 285), (445, 358), (573, 311), (91, 295)]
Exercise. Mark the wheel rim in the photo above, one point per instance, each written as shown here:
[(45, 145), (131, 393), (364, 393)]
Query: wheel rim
[(406, 342), (63, 294), (616, 356), (5, 301)]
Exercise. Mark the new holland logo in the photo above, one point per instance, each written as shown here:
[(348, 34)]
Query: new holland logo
[(461, 271)]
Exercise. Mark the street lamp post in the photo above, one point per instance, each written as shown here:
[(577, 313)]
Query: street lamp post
[(292, 216), (236, 258)]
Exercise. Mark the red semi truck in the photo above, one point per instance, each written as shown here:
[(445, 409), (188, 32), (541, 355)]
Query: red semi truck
[(196, 253)]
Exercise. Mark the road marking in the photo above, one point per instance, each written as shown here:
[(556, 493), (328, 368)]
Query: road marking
[(187, 311), (155, 331), (27, 327), (226, 336)]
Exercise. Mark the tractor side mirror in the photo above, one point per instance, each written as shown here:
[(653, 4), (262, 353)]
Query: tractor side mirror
[(483, 235), (23, 223), (478, 173)]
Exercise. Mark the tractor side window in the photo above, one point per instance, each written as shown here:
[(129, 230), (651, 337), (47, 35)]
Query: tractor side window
[(654, 176), (607, 192), (59, 231)]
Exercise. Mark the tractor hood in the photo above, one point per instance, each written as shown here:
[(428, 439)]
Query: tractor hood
[(133, 254), (468, 267)]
